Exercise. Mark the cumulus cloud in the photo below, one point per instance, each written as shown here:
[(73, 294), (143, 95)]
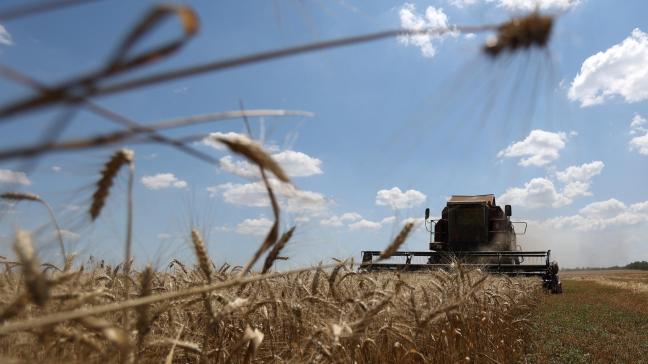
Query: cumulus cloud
[(603, 209), (240, 168), (542, 192), (582, 173), (638, 121), (5, 37), (539, 192), (539, 148), (8, 176), (259, 226), (163, 180), (602, 215), (462, 3), (348, 217), (398, 199), (298, 164), (355, 221), (365, 224), (621, 70), (639, 143), (433, 18), (531, 5), (521, 5), (255, 195), (295, 164), (68, 235), (388, 220)]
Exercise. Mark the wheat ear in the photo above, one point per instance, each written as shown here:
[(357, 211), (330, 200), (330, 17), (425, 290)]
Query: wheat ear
[(397, 242), (119, 159), (276, 249), (26, 196)]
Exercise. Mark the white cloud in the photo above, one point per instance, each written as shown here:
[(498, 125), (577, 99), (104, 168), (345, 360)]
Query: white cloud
[(388, 220), (539, 148), (295, 164), (576, 189), (164, 236), (462, 3), (522, 5), (621, 70), (298, 164), (541, 192), (8, 176), (433, 18), (259, 226), (163, 180), (56, 169), (335, 220), (639, 143), (602, 215), (603, 209), (255, 195), (5, 37), (531, 5), (355, 221), (398, 199), (365, 224), (637, 121), (240, 168), (69, 235), (582, 173)]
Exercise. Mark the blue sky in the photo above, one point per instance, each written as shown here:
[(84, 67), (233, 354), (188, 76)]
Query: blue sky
[(399, 125)]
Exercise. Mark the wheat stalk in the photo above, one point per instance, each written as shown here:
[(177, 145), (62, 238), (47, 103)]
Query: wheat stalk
[(255, 153), (201, 253), (27, 196), (37, 285), (397, 242), (276, 249), (143, 324), (271, 237)]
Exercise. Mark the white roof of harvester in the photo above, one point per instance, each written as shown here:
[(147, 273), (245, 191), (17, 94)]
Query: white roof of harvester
[(488, 199)]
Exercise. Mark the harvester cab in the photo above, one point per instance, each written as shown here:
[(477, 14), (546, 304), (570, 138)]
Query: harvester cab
[(473, 231)]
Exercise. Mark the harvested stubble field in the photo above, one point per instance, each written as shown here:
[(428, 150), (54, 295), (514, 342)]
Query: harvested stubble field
[(602, 317), (323, 315)]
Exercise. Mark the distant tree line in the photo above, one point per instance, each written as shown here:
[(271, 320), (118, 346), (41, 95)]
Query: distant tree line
[(641, 265)]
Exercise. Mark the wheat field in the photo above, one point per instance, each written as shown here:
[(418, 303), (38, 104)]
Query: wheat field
[(321, 315)]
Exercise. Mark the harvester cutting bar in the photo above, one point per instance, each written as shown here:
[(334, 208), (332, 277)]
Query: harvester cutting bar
[(516, 263), (508, 262)]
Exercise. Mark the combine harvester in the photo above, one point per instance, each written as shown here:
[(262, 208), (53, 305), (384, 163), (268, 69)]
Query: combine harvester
[(472, 231)]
